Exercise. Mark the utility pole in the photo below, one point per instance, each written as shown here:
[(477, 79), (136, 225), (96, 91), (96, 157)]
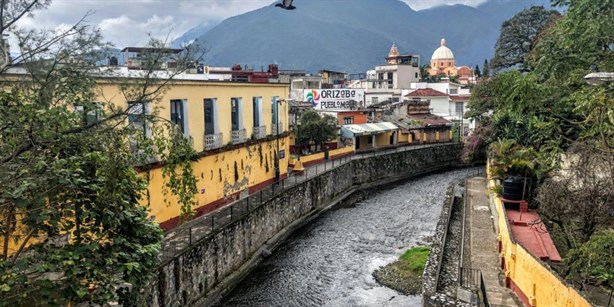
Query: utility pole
[(276, 103)]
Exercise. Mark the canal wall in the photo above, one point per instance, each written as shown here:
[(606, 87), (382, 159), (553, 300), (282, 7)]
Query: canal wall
[(211, 268)]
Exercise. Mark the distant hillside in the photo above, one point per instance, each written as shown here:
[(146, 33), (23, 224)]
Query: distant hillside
[(353, 36)]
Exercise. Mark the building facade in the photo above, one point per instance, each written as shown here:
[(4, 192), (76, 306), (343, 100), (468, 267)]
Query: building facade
[(444, 64), (238, 129)]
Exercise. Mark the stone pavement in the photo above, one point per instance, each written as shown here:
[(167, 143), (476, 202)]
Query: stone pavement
[(483, 250)]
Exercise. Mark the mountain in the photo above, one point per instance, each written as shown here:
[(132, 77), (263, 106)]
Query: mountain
[(353, 36)]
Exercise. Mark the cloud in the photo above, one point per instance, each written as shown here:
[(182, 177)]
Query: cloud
[(127, 22), (124, 31), (425, 4)]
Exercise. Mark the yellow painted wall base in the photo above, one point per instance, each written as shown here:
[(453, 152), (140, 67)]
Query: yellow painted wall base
[(538, 286)]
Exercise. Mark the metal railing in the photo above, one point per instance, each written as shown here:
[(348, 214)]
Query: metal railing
[(213, 141), (182, 237), (239, 136), (189, 233), (470, 278)]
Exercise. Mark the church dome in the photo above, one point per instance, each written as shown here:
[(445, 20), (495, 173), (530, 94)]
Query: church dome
[(443, 52)]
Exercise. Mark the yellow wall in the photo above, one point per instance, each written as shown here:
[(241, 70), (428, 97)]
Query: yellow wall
[(405, 138), (216, 176), (331, 153), (383, 139), (216, 172), (540, 285), (196, 91)]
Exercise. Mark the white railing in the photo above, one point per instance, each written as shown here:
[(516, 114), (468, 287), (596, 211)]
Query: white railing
[(259, 132), (213, 141), (239, 136)]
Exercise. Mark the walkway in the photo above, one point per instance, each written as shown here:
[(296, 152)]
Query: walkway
[(181, 237), (483, 241)]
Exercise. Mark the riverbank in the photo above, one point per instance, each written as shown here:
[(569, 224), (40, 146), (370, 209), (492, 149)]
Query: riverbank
[(405, 274)]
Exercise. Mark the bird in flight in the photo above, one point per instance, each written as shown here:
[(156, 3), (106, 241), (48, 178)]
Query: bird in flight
[(286, 4)]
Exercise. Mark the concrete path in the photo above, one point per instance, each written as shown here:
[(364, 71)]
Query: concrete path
[(484, 255)]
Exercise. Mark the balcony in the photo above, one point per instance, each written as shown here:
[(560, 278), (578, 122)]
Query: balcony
[(259, 132), (213, 141), (281, 129), (239, 136)]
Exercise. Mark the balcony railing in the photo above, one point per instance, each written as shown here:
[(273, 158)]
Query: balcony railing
[(275, 129), (259, 132), (213, 141), (239, 136)]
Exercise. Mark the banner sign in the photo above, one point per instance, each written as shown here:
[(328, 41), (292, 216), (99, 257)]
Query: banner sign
[(334, 99)]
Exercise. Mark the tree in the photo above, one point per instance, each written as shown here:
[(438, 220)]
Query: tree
[(485, 69), (476, 71), (517, 37), (72, 228), (424, 72), (580, 198), (316, 128), (594, 261)]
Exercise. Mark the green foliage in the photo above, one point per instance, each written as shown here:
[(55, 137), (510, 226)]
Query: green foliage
[(579, 197), (477, 71), (485, 69), (416, 257), (593, 260), (517, 37), (476, 145), (316, 128), (68, 167)]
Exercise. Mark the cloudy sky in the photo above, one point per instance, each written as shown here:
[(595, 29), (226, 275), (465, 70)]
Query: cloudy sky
[(127, 22)]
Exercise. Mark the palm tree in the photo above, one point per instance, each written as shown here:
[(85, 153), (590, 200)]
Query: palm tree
[(424, 72)]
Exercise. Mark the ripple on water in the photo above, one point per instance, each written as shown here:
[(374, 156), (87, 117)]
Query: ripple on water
[(330, 261)]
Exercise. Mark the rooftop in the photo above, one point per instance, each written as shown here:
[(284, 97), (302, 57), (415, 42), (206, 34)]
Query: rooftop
[(426, 92)]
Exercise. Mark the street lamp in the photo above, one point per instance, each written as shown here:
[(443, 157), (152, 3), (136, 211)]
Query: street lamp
[(599, 78)]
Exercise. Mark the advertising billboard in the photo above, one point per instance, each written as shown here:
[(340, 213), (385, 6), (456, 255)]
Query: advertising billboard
[(334, 99)]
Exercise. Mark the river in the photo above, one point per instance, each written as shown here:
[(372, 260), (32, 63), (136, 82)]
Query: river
[(329, 262)]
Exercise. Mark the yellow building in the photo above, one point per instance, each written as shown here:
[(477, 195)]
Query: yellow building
[(238, 130)]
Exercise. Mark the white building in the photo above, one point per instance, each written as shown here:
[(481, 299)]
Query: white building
[(388, 82), (448, 100)]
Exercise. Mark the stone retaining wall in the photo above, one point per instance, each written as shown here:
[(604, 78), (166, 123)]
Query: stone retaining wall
[(209, 269)]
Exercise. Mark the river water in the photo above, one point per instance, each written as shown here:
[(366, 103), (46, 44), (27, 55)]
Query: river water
[(329, 262)]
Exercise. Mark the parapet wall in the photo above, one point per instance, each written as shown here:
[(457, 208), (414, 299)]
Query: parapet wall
[(210, 268), (530, 278)]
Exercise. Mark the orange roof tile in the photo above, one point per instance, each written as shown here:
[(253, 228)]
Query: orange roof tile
[(425, 92)]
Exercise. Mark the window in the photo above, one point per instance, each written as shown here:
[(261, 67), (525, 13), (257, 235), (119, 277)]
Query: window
[(380, 76), (256, 103), (92, 113), (390, 76), (177, 115), (453, 91), (370, 139), (373, 100), (416, 75), (209, 104), (348, 120), (459, 108), (395, 99), (235, 104), (136, 115)]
